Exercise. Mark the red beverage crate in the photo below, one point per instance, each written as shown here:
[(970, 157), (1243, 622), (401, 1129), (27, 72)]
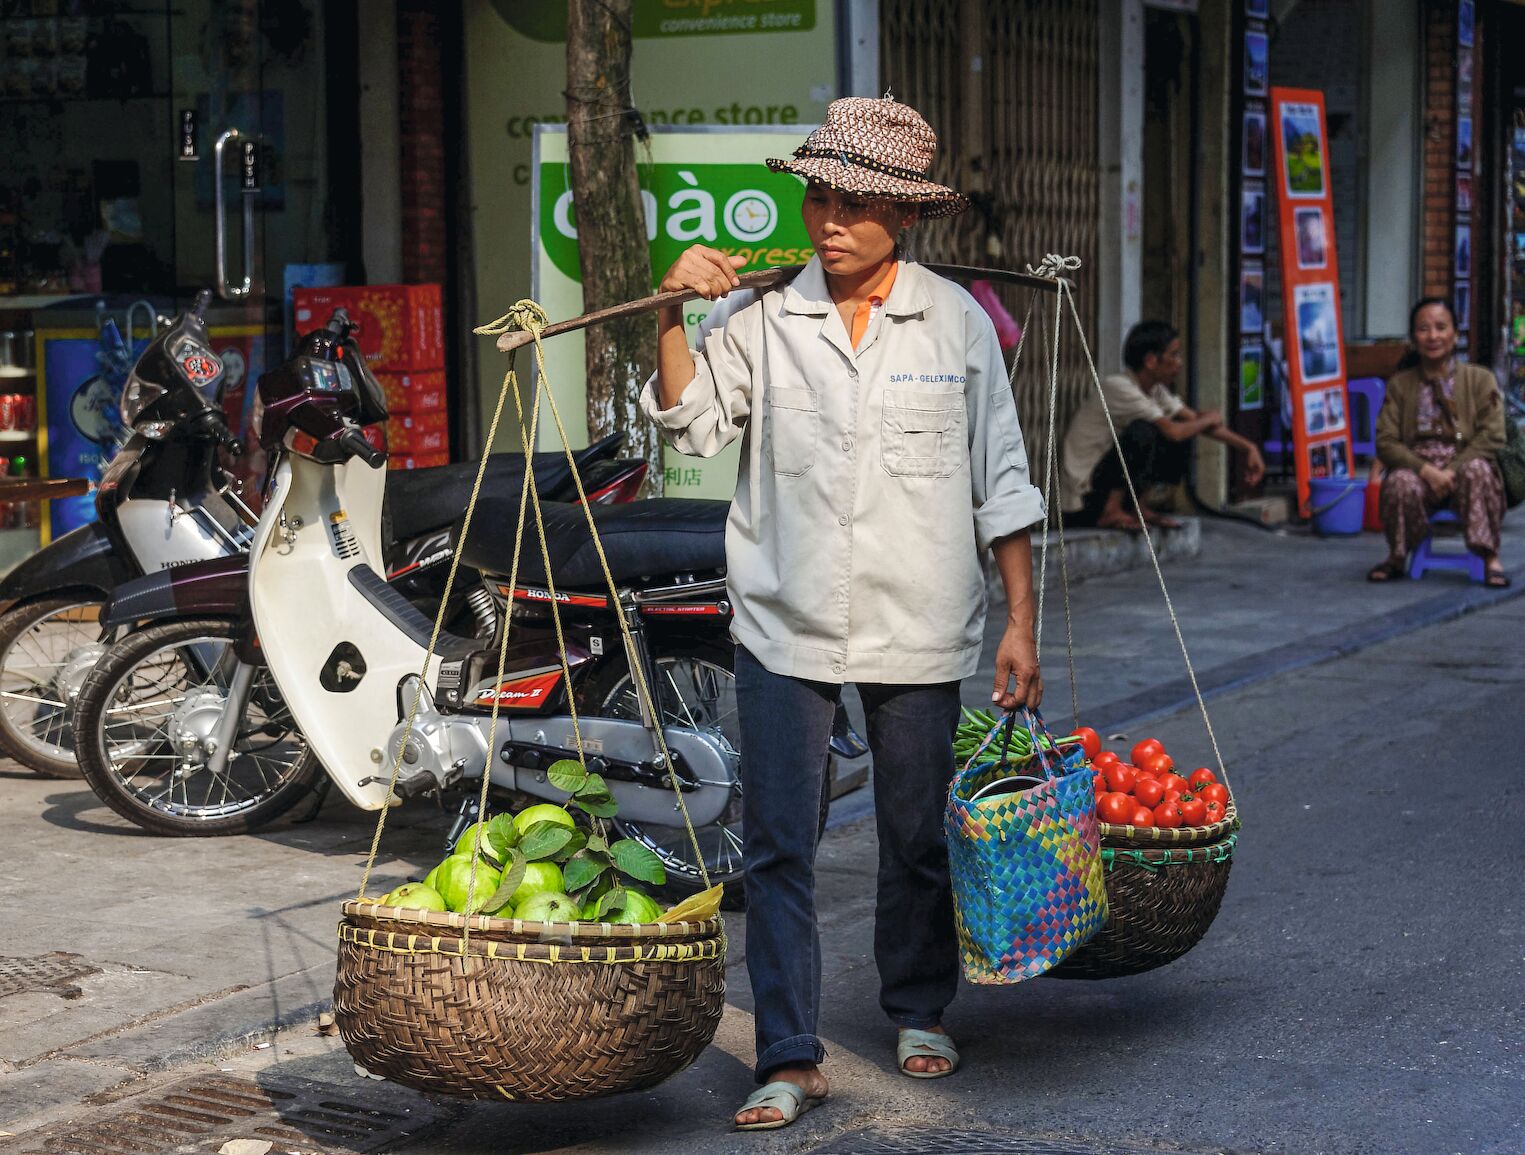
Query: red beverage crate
[(418, 460), (421, 392), (415, 434), (398, 327)]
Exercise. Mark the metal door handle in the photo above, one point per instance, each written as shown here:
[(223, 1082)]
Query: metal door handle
[(225, 288)]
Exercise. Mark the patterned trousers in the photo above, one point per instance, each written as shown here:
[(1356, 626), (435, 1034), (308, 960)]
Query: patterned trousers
[(1477, 500)]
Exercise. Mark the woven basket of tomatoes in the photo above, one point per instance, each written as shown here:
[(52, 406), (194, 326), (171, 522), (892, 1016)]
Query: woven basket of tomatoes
[(1145, 802), (1167, 848)]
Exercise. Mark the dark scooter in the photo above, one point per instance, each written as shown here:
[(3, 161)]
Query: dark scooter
[(166, 502), (149, 712)]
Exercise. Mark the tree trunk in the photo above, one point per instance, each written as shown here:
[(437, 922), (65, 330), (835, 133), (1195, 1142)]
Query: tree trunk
[(611, 223)]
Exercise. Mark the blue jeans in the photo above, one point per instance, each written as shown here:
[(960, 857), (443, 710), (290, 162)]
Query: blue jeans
[(785, 726)]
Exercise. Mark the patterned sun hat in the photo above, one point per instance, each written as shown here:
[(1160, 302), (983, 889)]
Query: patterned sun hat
[(874, 148)]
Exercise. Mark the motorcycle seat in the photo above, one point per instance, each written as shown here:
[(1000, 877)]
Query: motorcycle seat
[(420, 501), (641, 539)]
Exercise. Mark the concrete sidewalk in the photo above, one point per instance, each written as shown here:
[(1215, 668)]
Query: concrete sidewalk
[(190, 951)]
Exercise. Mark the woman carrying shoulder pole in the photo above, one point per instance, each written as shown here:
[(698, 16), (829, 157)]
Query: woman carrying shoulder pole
[(881, 456)]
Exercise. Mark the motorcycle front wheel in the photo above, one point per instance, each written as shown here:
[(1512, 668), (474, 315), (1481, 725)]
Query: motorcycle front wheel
[(147, 720), (696, 687), (47, 648)]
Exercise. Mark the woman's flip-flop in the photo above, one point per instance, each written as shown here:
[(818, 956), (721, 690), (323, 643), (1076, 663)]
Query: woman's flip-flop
[(1496, 579), (1387, 571), (788, 1099), (916, 1044)]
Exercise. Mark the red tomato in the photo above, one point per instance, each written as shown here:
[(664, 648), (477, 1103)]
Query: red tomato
[(1202, 776), (1193, 810), (1173, 795), (1104, 759), (1167, 815), (1143, 749), (1174, 782), (1143, 816), (1215, 792), (1148, 792), (1160, 763), (1120, 778), (1215, 812), (1090, 740), (1099, 784), (1115, 808)]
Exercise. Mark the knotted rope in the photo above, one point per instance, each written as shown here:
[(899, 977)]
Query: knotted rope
[(527, 315), (1054, 266)]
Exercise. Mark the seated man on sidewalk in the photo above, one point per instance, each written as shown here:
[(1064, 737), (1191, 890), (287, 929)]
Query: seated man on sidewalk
[(1155, 428)]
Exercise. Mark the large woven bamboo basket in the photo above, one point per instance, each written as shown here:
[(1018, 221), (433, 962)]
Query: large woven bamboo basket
[(1160, 903), (527, 1011)]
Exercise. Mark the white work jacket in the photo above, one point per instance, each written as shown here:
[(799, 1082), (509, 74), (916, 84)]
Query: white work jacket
[(870, 479)]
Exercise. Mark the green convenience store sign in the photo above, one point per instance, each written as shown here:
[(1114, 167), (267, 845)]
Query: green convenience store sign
[(547, 22), (699, 186), (738, 208)]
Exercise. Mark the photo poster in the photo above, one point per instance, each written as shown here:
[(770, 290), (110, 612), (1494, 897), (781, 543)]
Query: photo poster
[(700, 185), (1310, 285)]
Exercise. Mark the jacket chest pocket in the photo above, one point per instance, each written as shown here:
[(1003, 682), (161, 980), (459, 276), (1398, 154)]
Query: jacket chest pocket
[(792, 420), (922, 433)]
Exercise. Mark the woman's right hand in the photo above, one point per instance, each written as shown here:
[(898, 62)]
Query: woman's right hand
[(703, 270), (1440, 481)]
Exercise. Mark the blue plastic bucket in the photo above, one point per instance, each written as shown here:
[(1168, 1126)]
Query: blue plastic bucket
[(1336, 504)]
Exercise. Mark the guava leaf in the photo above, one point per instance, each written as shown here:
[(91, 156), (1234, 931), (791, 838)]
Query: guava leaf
[(567, 774), (545, 840), (614, 900), (594, 798), (597, 845), (605, 807), (513, 876), (502, 834), (593, 786), (638, 861), (581, 870), (574, 844)]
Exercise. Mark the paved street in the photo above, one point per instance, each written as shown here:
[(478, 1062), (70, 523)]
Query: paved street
[(1358, 992)]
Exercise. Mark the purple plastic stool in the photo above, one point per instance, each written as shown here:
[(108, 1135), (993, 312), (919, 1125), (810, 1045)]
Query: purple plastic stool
[(1426, 559), (1363, 432)]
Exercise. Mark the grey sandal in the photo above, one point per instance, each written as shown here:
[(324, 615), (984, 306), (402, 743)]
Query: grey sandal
[(926, 1045), (788, 1099)]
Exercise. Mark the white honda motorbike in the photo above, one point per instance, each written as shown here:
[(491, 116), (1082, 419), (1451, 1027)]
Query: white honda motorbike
[(347, 652)]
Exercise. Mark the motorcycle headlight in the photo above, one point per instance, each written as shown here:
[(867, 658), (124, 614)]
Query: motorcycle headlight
[(137, 395)]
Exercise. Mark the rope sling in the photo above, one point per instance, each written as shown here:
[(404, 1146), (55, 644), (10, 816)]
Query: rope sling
[(529, 317), (1054, 266)]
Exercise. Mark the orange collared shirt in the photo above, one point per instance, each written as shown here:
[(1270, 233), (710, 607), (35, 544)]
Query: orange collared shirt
[(865, 313)]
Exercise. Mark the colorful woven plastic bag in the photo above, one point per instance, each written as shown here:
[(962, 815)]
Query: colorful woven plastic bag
[(1024, 851)]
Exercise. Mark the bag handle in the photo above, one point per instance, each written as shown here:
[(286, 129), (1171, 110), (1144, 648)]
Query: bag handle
[(1006, 727), (1039, 730)]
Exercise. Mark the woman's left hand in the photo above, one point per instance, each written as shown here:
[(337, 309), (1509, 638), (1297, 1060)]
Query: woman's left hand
[(1016, 659)]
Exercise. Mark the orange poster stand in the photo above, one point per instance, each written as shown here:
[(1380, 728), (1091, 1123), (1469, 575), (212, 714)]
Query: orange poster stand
[(1310, 287)]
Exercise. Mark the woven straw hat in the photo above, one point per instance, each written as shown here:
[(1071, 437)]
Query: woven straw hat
[(874, 148)]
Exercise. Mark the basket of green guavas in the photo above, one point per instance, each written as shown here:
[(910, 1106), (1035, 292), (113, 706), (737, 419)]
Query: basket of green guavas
[(531, 965)]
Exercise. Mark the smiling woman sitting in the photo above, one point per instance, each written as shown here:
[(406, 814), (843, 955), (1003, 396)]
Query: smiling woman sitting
[(1440, 429)]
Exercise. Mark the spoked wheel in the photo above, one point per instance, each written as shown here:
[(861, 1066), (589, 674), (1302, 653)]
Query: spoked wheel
[(150, 720), (695, 688), (47, 649)]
